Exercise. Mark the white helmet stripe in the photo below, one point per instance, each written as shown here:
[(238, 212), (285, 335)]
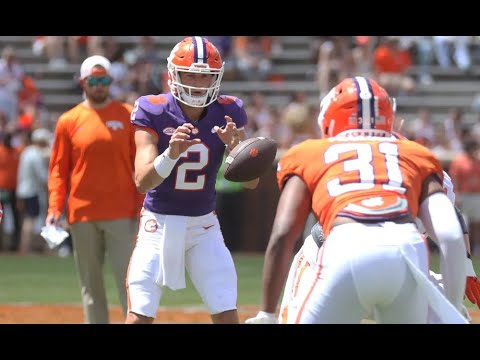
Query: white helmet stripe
[(199, 49), (366, 102)]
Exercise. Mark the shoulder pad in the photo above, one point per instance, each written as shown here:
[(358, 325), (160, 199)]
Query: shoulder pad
[(153, 104)]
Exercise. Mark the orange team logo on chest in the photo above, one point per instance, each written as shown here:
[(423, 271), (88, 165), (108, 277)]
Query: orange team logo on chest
[(157, 99)]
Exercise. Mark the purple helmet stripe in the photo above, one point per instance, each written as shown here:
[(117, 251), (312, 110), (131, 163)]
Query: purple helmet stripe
[(359, 104), (200, 50), (372, 105), (366, 103)]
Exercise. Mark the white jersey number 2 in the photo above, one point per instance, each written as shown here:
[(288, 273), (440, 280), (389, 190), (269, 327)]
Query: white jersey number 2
[(181, 182), (364, 165)]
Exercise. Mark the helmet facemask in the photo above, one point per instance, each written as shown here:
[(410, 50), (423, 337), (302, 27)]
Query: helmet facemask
[(184, 93)]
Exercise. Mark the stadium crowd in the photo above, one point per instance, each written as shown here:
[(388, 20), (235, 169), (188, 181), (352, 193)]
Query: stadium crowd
[(139, 70)]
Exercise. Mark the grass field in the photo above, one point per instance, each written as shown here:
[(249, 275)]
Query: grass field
[(51, 280)]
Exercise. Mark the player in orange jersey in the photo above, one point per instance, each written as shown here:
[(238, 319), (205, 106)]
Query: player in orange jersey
[(93, 162), (366, 188)]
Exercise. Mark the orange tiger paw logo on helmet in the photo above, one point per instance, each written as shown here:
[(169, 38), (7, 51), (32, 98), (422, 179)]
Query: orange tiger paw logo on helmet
[(254, 152)]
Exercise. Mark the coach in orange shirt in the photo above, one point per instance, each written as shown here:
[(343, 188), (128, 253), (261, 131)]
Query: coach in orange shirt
[(92, 162)]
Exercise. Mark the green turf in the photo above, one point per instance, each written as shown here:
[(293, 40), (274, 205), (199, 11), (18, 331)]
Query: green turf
[(51, 279)]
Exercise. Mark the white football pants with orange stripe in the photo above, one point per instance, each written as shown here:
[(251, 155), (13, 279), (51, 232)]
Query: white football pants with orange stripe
[(169, 244), (361, 268)]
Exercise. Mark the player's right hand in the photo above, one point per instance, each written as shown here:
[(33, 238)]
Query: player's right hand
[(263, 318), (52, 219), (180, 140)]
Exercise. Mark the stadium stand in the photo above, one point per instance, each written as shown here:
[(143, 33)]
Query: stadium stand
[(452, 87)]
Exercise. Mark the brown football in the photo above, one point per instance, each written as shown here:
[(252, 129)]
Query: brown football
[(250, 159)]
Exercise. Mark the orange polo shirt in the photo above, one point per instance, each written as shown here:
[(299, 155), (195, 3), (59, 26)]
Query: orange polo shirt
[(93, 162)]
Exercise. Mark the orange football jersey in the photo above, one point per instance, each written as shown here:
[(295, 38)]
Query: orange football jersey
[(361, 178)]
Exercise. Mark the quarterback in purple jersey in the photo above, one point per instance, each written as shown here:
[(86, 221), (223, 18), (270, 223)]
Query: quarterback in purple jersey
[(181, 138)]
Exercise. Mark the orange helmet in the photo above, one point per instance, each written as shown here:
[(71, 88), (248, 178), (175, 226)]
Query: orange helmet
[(359, 105), (195, 55)]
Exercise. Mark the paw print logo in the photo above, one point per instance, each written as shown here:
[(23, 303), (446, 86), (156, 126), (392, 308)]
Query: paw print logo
[(151, 226), (254, 152)]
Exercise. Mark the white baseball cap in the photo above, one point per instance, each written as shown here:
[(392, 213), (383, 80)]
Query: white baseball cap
[(89, 63), (41, 134)]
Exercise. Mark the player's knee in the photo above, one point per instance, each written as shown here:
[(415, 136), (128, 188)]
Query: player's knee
[(221, 301)]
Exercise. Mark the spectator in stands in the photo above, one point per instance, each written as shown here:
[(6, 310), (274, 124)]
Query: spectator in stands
[(362, 55), (424, 51), (32, 185), (298, 122), (224, 44), (9, 158), (4, 125), (62, 50), (11, 75), (334, 59), (465, 173), (422, 128), (453, 127), (120, 73), (456, 47), (391, 65), (259, 115), (253, 56), (143, 60)]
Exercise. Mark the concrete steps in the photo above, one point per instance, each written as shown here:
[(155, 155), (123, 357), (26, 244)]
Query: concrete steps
[(451, 88)]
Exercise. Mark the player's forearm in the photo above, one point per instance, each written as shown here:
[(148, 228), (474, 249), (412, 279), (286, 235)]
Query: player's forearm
[(278, 257), (151, 169), (439, 218), (146, 178), (453, 269)]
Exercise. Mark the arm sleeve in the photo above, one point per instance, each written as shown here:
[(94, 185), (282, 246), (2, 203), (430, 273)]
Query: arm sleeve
[(438, 216), (59, 170)]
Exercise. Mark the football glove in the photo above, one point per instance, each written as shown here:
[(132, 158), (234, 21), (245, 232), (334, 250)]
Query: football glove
[(263, 318), (472, 289)]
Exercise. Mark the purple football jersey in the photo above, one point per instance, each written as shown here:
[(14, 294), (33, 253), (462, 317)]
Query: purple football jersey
[(190, 188)]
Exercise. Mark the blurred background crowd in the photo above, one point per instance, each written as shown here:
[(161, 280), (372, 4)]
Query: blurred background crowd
[(435, 80)]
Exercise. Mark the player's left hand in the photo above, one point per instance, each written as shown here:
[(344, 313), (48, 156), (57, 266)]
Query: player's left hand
[(472, 289), (229, 133)]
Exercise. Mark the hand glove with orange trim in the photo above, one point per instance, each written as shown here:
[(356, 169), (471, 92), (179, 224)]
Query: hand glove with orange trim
[(472, 289), (263, 318)]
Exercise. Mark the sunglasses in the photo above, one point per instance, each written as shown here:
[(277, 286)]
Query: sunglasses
[(94, 81)]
